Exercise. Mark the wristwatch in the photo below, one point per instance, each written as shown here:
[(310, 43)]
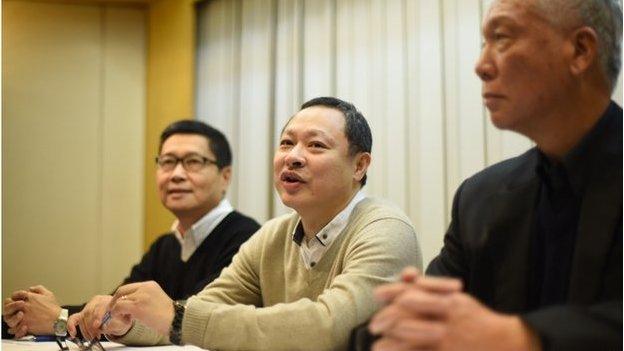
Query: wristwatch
[(60, 324), (175, 333)]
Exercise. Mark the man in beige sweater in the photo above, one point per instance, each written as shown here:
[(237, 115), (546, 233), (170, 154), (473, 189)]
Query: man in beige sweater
[(305, 279)]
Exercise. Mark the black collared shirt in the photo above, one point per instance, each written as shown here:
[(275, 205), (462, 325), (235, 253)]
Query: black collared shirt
[(558, 206)]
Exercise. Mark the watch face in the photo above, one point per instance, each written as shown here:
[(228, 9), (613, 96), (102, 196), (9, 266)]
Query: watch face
[(60, 327)]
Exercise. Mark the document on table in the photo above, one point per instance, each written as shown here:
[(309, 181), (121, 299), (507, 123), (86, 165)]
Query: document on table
[(13, 345)]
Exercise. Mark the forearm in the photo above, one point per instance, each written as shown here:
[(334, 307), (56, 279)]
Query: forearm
[(300, 325)]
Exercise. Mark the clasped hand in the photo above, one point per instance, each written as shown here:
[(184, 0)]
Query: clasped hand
[(145, 302), (432, 313), (31, 311)]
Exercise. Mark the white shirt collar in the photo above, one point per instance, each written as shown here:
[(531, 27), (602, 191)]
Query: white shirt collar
[(312, 251), (200, 230)]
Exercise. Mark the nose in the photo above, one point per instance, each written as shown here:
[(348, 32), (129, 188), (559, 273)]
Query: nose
[(178, 173), (294, 158), (484, 68)]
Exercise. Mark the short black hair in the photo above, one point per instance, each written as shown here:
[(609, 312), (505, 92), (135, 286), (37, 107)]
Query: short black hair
[(357, 131), (217, 142)]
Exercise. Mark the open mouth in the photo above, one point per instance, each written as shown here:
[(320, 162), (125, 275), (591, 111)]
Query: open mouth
[(291, 178)]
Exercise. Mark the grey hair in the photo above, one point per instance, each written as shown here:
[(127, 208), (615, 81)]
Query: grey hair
[(603, 16)]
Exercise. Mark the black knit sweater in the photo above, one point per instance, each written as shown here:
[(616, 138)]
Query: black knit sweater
[(181, 279)]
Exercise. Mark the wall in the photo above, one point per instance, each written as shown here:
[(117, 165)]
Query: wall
[(170, 95), (73, 108)]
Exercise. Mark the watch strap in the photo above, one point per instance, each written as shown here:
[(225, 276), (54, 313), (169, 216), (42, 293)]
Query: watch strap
[(60, 324), (175, 332)]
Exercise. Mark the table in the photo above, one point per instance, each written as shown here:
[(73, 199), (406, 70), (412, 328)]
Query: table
[(12, 345)]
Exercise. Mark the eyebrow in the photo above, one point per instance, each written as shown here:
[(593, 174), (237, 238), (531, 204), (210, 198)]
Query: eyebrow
[(192, 153), (310, 133), (499, 20)]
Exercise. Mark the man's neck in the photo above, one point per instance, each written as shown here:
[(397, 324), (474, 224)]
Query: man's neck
[(186, 222), (317, 218), (560, 132)]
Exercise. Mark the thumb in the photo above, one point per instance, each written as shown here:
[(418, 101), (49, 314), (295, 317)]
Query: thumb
[(40, 289), (71, 323)]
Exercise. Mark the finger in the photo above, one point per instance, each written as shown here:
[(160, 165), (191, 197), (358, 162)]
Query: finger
[(389, 344), (118, 326), (124, 306), (13, 307), (385, 319), (87, 311), (92, 323), (86, 331), (418, 333), (439, 284), (126, 290), (72, 322), (97, 322), (410, 274), (40, 289), (84, 327), (14, 320), (424, 303), (388, 292), (100, 309), (93, 333), (96, 334), (20, 295), (21, 332)]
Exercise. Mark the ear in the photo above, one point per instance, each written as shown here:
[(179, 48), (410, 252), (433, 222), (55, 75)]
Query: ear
[(362, 161), (585, 43), (226, 174)]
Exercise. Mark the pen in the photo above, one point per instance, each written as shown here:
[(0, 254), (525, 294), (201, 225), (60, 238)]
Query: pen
[(37, 338), (105, 319)]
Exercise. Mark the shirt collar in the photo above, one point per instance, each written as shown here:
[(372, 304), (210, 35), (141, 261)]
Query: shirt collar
[(200, 230), (331, 230), (575, 166)]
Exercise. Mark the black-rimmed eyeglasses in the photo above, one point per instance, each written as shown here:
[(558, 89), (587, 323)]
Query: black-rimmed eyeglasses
[(93, 345), (191, 163)]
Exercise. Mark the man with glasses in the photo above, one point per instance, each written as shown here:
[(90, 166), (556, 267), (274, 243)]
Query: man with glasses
[(193, 174)]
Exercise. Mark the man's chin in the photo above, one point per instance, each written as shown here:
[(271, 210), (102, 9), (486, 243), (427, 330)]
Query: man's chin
[(501, 120), (292, 201), (179, 208)]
